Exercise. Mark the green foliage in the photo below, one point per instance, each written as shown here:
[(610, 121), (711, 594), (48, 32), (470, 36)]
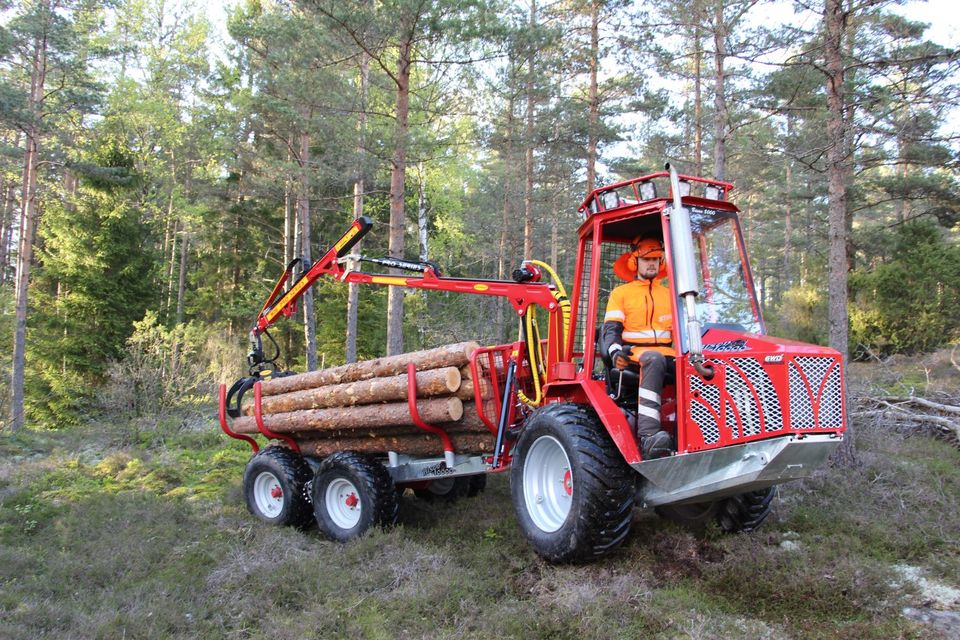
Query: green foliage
[(910, 303), (94, 280), (802, 315), (163, 368)]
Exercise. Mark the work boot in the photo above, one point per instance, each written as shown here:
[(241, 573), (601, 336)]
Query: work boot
[(657, 445)]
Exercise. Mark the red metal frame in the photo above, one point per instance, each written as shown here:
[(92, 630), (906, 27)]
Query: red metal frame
[(225, 426), (258, 417), (415, 413)]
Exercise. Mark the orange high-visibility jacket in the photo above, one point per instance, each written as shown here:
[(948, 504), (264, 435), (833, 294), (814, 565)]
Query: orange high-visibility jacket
[(644, 309)]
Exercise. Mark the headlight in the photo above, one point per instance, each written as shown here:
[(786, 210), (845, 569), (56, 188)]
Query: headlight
[(648, 190)]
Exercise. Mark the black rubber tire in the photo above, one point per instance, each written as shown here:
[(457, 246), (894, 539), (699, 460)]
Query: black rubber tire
[(290, 474), (376, 496), (600, 485), (444, 490), (692, 516), (747, 511), (477, 485)]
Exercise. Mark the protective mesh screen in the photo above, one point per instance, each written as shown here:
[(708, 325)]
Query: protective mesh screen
[(769, 400), (607, 282)]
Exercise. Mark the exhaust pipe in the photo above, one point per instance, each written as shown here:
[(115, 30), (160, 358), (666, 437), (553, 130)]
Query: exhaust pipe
[(685, 274)]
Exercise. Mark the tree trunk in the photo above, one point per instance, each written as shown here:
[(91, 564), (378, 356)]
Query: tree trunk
[(593, 101), (28, 218), (528, 146), (169, 256), (353, 289), (697, 96), (453, 355), (834, 18), (431, 383), (422, 214), (505, 218), (6, 236), (720, 97), (784, 279), (303, 213), (290, 246), (397, 191), (182, 280)]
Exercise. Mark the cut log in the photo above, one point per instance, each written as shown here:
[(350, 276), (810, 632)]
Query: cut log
[(466, 391), (453, 355), (417, 445), (368, 416), (431, 383), (470, 421)]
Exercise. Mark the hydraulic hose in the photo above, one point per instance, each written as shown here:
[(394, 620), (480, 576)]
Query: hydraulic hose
[(532, 336)]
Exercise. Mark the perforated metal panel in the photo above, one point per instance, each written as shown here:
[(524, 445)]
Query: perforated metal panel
[(831, 402), (742, 396), (769, 400), (814, 369), (801, 405), (746, 400), (730, 420), (823, 394), (708, 394)]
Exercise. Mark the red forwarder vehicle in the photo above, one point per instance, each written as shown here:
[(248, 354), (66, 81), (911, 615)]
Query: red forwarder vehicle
[(748, 411)]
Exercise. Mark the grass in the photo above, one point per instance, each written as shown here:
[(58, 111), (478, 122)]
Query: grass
[(139, 531)]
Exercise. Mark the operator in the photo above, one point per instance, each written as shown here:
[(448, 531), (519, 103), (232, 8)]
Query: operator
[(638, 332)]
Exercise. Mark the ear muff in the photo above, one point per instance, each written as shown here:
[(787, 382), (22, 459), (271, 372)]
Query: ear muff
[(632, 262)]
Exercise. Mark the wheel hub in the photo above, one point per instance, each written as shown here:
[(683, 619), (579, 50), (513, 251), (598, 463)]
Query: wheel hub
[(548, 484), (268, 495), (342, 503)]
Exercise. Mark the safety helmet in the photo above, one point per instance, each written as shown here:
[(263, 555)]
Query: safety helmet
[(647, 247), (626, 265)]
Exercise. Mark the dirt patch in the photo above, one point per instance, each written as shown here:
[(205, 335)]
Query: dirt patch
[(939, 602)]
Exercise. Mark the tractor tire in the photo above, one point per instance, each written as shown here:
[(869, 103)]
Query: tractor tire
[(351, 495), (747, 511), (572, 491), (744, 512), (477, 485), (444, 490), (692, 516), (275, 487)]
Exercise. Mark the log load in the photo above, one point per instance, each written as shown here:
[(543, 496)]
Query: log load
[(436, 382), (363, 406), (413, 445), (370, 416), (453, 355)]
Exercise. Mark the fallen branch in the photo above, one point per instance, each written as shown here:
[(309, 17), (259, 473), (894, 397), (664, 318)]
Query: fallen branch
[(946, 423), (923, 402)]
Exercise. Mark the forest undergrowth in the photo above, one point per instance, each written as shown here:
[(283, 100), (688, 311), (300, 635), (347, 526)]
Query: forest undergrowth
[(137, 529)]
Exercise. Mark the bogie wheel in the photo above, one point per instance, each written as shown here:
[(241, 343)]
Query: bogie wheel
[(747, 511), (274, 487), (572, 491), (444, 490), (477, 485), (352, 494)]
